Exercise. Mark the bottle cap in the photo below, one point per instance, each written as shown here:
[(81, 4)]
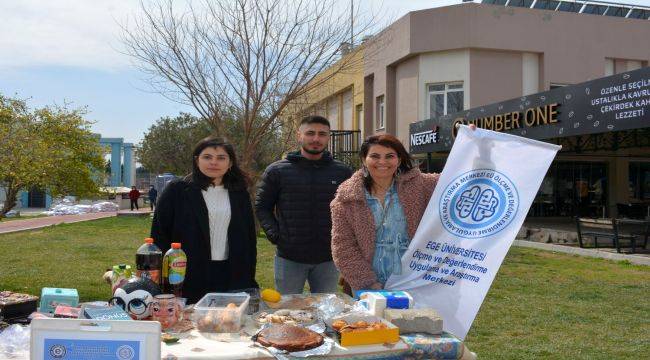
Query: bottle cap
[(176, 245), (148, 240)]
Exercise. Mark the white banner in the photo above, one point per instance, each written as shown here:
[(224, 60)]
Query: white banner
[(477, 208)]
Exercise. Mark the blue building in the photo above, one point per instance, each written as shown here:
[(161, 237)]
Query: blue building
[(122, 158)]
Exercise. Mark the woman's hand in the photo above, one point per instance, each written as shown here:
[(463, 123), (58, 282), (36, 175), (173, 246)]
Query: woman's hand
[(472, 126), (376, 286)]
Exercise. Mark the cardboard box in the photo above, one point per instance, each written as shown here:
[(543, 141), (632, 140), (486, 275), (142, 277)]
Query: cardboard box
[(380, 336), (66, 312)]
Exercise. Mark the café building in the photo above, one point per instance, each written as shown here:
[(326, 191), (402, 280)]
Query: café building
[(524, 68), (603, 125)]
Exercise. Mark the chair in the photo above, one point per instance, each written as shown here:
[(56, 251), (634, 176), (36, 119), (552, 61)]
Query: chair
[(635, 228)]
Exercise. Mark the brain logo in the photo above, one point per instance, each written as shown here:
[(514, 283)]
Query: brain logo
[(478, 204)]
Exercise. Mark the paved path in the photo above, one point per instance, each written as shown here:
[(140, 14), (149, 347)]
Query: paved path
[(41, 222), (638, 259)]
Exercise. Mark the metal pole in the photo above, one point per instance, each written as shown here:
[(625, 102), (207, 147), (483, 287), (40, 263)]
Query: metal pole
[(352, 23)]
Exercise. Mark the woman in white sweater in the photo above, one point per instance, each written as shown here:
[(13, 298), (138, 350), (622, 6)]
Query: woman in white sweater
[(209, 212)]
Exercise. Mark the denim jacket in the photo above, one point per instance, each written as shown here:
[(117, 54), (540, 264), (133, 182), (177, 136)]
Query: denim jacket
[(391, 234)]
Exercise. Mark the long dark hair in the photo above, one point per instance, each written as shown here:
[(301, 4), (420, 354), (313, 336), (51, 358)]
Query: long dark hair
[(389, 141), (234, 179)]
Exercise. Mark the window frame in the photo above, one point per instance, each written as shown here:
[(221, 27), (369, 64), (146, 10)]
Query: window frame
[(444, 92), (381, 112)]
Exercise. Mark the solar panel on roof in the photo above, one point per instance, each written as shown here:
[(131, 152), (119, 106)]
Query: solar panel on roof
[(546, 4), (569, 6), (594, 9), (521, 3), (591, 7), (617, 11), (495, 2), (639, 14)]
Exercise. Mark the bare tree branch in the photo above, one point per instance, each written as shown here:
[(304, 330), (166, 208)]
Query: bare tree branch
[(242, 60)]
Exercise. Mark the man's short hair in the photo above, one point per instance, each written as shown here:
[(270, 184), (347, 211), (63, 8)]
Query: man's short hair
[(315, 119)]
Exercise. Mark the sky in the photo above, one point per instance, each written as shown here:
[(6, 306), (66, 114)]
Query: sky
[(69, 52)]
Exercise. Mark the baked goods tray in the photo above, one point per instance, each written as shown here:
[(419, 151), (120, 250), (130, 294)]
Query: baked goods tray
[(324, 349)]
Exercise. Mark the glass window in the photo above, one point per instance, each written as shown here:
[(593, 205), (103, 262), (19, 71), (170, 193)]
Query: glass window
[(381, 121), (436, 105), (445, 99), (569, 6), (639, 178), (454, 101)]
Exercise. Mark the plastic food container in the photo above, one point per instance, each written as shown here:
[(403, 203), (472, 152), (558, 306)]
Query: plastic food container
[(51, 297), (220, 312)]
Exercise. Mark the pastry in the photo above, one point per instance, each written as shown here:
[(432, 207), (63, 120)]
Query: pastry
[(290, 338), (342, 326), (286, 316), (10, 298)]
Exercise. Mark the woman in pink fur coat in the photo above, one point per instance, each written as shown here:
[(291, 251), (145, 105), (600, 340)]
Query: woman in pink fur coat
[(375, 213)]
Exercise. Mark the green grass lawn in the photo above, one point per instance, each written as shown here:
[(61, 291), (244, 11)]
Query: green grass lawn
[(541, 305)]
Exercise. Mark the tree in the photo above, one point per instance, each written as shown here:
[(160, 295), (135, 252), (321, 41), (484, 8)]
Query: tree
[(51, 148), (242, 60), (167, 145)]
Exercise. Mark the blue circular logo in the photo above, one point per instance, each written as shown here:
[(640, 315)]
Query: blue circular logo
[(125, 352), (57, 351), (478, 203)]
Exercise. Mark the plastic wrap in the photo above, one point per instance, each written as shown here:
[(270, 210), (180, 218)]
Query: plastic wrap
[(14, 342), (68, 207)]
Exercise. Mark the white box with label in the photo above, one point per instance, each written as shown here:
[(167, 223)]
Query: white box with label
[(73, 339)]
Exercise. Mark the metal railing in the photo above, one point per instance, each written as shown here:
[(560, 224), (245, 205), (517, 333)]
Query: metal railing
[(344, 146)]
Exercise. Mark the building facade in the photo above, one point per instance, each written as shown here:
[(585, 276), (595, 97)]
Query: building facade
[(436, 62)]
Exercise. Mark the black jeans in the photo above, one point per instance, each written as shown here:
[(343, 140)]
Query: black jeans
[(134, 202)]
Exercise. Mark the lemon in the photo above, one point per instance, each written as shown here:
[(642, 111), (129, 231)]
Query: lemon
[(270, 295)]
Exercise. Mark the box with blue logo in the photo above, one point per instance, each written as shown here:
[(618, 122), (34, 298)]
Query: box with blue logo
[(377, 301), (52, 297), (77, 339)]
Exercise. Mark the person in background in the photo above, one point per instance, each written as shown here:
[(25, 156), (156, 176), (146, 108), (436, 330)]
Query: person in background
[(134, 195), (153, 195), (210, 213), (292, 206)]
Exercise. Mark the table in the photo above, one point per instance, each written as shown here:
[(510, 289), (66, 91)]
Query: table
[(198, 346)]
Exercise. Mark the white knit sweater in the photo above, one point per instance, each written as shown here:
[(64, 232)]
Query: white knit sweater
[(218, 203)]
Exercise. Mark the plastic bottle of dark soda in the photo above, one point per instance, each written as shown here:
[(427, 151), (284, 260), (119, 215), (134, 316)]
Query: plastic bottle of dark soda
[(148, 261), (174, 267)]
